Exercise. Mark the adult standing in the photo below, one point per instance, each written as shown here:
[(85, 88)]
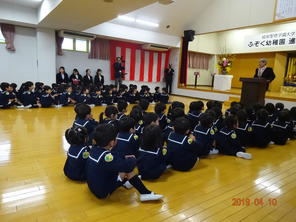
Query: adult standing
[(168, 77), (62, 77), (76, 78), (264, 72), (88, 79), (99, 79), (118, 71)]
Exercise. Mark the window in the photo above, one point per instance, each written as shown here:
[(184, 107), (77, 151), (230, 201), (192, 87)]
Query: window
[(68, 44), (2, 39), (73, 44), (81, 45)]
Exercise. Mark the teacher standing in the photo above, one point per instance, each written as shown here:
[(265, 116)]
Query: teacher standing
[(118, 72), (264, 72), (168, 77)]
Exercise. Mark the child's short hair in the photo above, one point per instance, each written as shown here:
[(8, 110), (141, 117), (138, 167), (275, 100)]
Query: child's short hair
[(45, 88), (230, 122), (156, 88), (257, 107), (13, 85), (242, 116), (104, 134), (159, 108), (136, 114), (262, 115), (196, 106), (82, 110), (126, 123), (293, 113), (76, 135), (181, 125), (144, 104), (218, 104), (109, 111), (210, 104), (148, 118), (151, 138), (218, 111), (206, 120), (279, 106), (165, 90), (4, 86), (176, 113), (270, 108), (284, 115), (121, 105)]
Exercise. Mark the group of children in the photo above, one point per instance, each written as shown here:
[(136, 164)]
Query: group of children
[(36, 95), (105, 153)]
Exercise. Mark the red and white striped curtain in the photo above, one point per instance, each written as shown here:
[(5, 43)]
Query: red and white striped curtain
[(198, 60), (140, 65), (99, 49)]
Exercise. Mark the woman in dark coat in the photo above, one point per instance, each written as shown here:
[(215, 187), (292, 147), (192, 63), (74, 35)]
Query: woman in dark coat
[(99, 79), (62, 76), (87, 79)]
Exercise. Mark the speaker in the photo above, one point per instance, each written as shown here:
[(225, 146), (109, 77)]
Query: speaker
[(189, 35)]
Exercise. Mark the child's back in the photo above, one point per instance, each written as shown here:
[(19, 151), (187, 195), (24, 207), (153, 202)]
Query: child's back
[(281, 128), (244, 129)]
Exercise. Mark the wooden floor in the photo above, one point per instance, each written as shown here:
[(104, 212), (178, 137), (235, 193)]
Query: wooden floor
[(33, 187)]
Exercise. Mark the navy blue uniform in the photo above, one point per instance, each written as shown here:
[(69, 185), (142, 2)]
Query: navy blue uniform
[(183, 152), (102, 169), (132, 98), (4, 99), (108, 99), (151, 165), (97, 99), (163, 121), (156, 97), (120, 116), (46, 100), (127, 144), (29, 98), (193, 117), (89, 124), (261, 134), (281, 131), (85, 98), (227, 142), (218, 124), (164, 98), (167, 130), (244, 134), (139, 128), (65, 98), (76, 161), (206, 137)]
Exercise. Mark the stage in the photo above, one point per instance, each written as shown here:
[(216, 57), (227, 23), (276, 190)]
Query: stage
[(236, 92)]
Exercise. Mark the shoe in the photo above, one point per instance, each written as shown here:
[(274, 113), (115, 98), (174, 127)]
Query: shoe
[(20, 107), (151, 196), (169, 166), (213, 151), (247, 156), (28, 106), (271, 143), (128, 185)]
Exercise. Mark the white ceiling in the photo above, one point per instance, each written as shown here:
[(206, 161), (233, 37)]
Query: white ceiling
[(27, 3), (180, 15)]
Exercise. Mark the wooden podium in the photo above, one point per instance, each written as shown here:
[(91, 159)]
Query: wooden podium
[(253, 91)]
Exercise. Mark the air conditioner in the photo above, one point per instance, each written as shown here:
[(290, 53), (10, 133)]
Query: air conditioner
[(66, 33), (155, 47)]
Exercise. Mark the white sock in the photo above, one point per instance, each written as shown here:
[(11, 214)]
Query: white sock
[(244, 155)]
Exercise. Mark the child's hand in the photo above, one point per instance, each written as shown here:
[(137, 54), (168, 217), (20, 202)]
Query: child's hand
[(129, 156), (192, 137)]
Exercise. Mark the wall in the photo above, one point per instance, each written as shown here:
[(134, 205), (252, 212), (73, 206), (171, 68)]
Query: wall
[(20, 66), (207, 43), (205, 78), (245, 65), (230, 14)]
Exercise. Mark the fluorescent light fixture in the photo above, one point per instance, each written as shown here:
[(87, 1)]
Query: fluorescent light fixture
[(126, 18), (142, 22)]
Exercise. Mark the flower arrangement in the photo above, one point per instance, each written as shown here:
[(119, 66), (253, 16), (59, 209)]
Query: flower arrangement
[(225, 63)]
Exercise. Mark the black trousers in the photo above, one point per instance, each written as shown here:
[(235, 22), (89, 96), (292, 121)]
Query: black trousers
[(168, 86)]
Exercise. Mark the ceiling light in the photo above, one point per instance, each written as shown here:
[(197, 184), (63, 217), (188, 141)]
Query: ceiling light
[(126, 18), (142, 22)]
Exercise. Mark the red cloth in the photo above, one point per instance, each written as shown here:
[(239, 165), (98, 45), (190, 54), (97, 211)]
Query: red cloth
[(99, 49)]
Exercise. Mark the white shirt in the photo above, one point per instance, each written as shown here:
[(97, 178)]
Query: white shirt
[(260, 71)]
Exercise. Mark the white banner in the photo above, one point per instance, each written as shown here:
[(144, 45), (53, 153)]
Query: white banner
[(272, 39)]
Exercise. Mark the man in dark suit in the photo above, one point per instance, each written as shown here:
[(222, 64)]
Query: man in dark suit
[(168, 77), (264, 72), (62, 77), (118, 71)]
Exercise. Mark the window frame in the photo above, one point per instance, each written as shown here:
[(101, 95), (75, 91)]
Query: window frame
[(74, 44)]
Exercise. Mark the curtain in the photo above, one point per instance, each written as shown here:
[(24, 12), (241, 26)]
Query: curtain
[(99, 49), (184, 56), (59, 43), (198, 60), (8, 31)]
